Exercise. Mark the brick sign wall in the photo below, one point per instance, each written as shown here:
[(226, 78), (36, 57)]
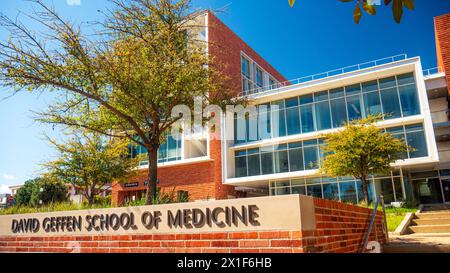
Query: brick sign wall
[(315, 225)]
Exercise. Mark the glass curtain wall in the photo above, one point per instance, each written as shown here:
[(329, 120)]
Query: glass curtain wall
[(394, 96)]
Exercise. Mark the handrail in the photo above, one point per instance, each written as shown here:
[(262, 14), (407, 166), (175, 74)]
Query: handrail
[(326, 74), (369, 230), (434, 70)]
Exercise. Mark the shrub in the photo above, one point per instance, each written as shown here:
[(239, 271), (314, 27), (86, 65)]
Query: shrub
[(52, 192), (23, 195)]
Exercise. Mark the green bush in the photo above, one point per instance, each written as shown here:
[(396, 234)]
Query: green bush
[(23, 195), (52, 192)]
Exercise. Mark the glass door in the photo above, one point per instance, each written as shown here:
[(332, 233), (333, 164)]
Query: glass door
[(446, 189), (428, 190)]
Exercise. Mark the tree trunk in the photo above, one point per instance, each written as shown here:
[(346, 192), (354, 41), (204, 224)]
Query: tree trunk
[(152, 175), (366, 192)]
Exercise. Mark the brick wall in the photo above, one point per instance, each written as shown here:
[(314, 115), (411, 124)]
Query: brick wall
[(225, 48), (442, 31), (339, 228)]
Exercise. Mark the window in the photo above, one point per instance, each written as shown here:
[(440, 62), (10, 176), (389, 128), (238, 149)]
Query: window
[(292, 116), (338, 112), (354, 107), (372, 103), (264, 124), (278, 119), (348, 191), (296, 157), (246, 67), (254, 167), (259, 77), (331, 191), (306, 114), (322, 108), (415, 137), (409, 100), (267, 160), (391, 105), (240, 163), (310, 151), (281, 161)]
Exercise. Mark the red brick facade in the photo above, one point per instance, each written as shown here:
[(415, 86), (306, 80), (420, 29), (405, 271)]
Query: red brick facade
[(203, 180), (225, 48), (442, 30), (339, 228)]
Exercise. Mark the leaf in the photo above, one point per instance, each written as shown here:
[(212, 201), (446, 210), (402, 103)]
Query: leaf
[(387, 2), (409, 4), (397, 10), (291, 3), (357, 14), (370, 9)]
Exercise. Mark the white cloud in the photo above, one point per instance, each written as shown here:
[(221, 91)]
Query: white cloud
[(8, 176), (4, 189), (73, 2)]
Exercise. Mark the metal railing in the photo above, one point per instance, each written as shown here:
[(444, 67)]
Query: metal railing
[(326, 74), (434, 70), (372, 221)]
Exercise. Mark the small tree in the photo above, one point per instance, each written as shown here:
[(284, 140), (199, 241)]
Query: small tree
[(361, 149), (48, 191), (124, 80), (30, 194), (89, 161), (23, 195)]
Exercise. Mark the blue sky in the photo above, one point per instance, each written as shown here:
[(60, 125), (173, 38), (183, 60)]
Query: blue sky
[(314, 36)]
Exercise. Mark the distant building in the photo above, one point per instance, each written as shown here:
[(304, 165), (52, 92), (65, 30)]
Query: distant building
[(14, 189)]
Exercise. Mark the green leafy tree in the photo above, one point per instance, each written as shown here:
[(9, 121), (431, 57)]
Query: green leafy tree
[(23, 195), (90, 161), (48, 191), (370, 8), (361, 149), (121, 81), (30, 194)]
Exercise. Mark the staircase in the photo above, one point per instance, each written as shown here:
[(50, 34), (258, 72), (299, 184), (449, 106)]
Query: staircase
[(431, 219), (428, 232)]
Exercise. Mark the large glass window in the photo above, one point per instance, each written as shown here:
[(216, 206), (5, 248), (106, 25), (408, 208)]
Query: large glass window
[(391, 105), (415, 137), (240, 162), (278, 119), (310, 151), (409, 100), (296, 157), (348, 191), (322, 104), (254, 166), (267, 160), (292, 116), (281, 161), (331, 191), (259, 77), (338, 112), (354, 107), (372, 103), (394, 96)]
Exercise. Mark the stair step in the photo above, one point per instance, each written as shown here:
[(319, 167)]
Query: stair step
[(415, 248), (430, 215), (431, 221), (430, 228)]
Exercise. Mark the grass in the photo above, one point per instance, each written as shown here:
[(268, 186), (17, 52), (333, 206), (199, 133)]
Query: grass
[(49, 208), (394, 216)]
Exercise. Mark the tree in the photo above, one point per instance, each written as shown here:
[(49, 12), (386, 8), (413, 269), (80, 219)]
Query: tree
[(361, 149), (124, 80), (89, 161), (31, 193), (369, 6), (23, 195), (48, 191)]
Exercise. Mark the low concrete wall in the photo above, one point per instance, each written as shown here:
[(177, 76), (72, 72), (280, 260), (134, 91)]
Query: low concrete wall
[(290, 224)]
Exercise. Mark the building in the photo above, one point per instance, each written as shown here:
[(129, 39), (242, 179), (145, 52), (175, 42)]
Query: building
[(14, 189), (283, 157)]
